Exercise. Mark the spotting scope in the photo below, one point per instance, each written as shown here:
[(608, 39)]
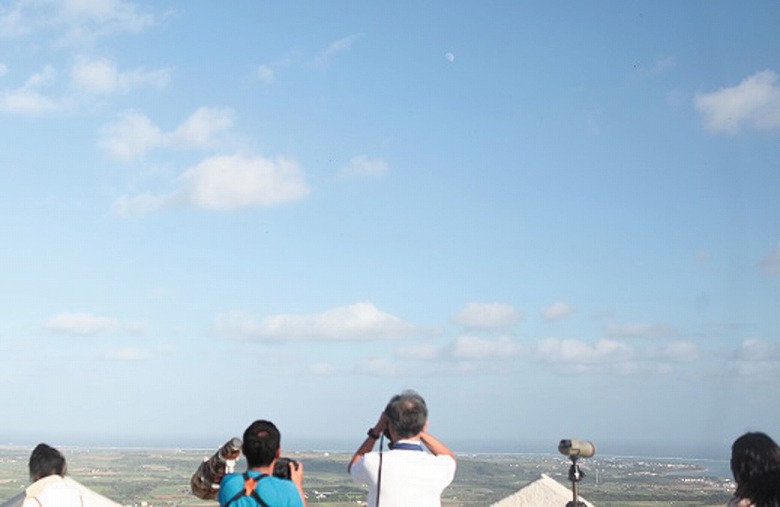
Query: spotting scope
[(579, 448)]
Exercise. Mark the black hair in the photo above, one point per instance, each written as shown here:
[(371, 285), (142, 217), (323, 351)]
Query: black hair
[(45, 460), (755, 463), (407, 414), (261, 443)]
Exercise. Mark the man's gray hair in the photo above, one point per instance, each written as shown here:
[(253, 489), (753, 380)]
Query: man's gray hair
[(407, 413)]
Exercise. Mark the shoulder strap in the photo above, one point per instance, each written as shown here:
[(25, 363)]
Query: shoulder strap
[(379, 472), (250, 489)]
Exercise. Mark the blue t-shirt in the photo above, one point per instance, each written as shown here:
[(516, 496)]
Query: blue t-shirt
[(274, 491)]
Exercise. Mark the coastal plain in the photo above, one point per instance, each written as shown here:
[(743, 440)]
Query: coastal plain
[(160, 477)]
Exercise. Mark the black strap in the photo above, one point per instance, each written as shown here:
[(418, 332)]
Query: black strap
[(379, 472), (404, 446), (253, 494)]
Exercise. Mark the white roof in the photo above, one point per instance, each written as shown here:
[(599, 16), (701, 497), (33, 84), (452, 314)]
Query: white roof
[(543, 492), (91, 498)]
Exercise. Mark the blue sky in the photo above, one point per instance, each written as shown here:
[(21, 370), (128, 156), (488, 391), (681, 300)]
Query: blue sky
[(554, 220)]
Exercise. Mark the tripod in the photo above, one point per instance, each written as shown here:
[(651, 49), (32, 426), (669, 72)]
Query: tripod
[(575, 476)]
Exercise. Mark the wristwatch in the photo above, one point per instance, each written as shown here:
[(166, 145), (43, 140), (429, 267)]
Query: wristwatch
[(373, 435)]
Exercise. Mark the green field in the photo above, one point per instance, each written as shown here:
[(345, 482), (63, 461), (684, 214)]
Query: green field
[(161, 478)]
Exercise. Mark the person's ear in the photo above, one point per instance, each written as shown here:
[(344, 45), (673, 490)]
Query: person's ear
[(425, 427), (278, 452)]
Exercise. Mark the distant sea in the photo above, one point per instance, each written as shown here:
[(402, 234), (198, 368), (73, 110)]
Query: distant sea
[(714, 461)]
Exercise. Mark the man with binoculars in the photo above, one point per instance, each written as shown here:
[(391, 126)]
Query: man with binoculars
[(405, 475)]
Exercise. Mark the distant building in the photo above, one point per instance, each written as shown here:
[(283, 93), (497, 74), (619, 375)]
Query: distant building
[(543, 492)]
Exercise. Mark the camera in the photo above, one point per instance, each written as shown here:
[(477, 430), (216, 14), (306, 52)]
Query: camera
[(577, 448), (205, 481), (282, 467)]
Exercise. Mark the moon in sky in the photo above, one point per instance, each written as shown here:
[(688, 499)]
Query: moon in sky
[(449, 56)]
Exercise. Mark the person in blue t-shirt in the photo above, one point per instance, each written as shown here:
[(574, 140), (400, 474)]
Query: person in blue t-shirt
[(258, 486)]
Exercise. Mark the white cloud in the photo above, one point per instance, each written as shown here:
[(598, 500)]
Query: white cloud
[(234, 182), (362, 166), (678, 352), (71, 22), (476, 354), (576, 352), (87, 77), (131, 137), (641, 330), (358, 322), (100, 76), (134, 134), (28, 98), (322, 369), (377, 367), (11, 21), (27, 101), (45, 76), (576, 356), (265, 74), (225, 183), (658, 66), (119, 13), (3, 69), (754, 350), (662, 64), (754, 102), (200, 129), (471, 347), (136, 327), (487, 316), (557, 311), (420, 352), (336, 47), (161, 294), (754, 360), (129, 354), (770, 264), (82, 324), (143, 204), (463, 348)]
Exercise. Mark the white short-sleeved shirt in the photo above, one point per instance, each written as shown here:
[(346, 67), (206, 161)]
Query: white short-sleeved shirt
[(52, 491), (410, 478)]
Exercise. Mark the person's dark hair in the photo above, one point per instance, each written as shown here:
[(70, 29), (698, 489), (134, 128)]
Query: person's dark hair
[(261, 442), (45, 460), (407, 414), (755, 463)]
